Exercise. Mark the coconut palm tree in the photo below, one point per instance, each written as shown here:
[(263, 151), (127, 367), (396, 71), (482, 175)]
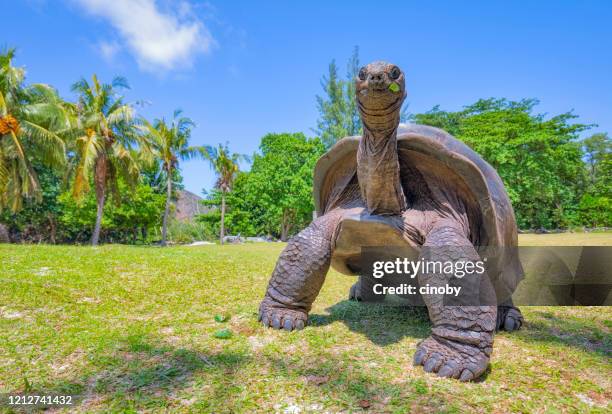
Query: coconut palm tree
[(168, 143), (105, 142), (225, 165), (34, 122)]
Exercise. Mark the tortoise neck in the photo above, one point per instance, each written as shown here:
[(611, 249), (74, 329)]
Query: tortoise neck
[(378, 170)]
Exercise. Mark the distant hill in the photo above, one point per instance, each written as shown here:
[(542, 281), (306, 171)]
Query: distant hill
[(188, 206)]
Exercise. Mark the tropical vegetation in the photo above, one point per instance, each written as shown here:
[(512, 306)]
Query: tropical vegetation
[(167, 144), (33, 121), (103, 149), (54, 151), (540, 159), (225, 165), (274, 198)]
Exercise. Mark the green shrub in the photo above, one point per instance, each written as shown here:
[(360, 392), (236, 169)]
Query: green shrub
[(182, 232), (595, 211)]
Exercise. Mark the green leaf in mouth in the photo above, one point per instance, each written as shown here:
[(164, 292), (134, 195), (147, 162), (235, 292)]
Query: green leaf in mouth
[(394, 87)]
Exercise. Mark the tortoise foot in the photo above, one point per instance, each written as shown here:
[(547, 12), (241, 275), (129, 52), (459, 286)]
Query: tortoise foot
[(279, 316), (509, 318), (451, 359), (355, 292)]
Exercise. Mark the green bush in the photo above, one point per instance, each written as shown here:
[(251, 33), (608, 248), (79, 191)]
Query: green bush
[(595, 211), (181, 232), (129, 215)]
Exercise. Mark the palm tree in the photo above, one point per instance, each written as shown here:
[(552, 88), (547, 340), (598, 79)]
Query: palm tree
[(33, 124), (167, 144), (225, 165), (104, 144)]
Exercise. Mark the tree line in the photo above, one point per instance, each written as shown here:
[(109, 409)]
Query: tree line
[(90, 169)]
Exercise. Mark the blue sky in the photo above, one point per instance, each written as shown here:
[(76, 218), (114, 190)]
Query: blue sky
[(243, 69)]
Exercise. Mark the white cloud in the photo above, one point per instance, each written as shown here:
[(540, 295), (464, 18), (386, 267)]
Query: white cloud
[(159, 39)]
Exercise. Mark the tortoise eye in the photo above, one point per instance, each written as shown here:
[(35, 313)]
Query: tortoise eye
[(394, 73), (362, 74)]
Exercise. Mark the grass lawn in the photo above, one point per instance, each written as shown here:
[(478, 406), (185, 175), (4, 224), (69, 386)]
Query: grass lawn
[(132, 329)]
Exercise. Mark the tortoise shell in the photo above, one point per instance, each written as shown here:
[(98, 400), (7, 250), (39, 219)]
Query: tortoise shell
[(434, 152)]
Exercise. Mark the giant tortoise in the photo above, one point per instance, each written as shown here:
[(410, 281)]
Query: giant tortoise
[(408, 185)]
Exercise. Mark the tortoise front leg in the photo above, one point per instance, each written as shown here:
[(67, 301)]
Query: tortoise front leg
[(461, 341), (299, 275)]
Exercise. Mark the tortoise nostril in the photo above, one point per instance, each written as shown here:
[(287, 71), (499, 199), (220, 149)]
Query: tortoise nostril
[(376, 77)]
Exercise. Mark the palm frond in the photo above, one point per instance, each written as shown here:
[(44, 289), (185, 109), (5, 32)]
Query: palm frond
[(89, 148), (124, 162), (120, 82), (51, 147), (224, 163), (82, 87), (121, 114), (3, 108)]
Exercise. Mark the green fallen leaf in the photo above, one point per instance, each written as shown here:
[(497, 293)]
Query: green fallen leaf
[(223, 334), (221, 318), (394, 87)]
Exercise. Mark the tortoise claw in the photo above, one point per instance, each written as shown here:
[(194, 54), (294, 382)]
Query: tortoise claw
[(278, 316)]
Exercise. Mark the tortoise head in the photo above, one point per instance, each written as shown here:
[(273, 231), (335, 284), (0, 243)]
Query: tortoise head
[(380, 92)]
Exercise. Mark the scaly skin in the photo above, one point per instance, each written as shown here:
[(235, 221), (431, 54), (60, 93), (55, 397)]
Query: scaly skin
[(378, 168), (461, 341), (509, 317), (299, 274)]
